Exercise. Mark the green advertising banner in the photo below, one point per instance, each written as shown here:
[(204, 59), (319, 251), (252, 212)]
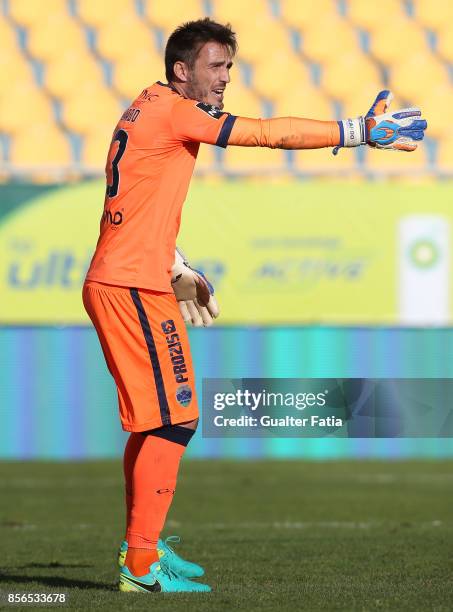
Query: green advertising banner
[(289, 253)]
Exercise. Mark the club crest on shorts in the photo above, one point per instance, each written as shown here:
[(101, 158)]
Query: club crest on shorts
[(184, 395), (168, 326)]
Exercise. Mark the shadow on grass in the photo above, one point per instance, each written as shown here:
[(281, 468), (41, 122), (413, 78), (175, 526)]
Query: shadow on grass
[(57, 581)]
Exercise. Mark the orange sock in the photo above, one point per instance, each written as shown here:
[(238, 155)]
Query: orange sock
[(153, 485), (138, 560)]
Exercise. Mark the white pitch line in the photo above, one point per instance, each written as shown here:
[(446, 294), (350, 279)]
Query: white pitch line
[(310, 525), (294, 525)]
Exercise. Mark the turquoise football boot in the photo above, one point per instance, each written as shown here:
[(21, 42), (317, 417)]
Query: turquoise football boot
[(160, 579), (169, 558)]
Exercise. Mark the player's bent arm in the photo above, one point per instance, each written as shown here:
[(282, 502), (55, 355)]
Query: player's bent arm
[(194, 293)]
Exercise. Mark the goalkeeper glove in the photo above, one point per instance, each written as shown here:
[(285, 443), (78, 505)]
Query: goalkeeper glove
[(397, 131), (194, 293)]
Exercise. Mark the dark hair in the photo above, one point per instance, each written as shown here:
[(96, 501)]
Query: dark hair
[(186, 41)]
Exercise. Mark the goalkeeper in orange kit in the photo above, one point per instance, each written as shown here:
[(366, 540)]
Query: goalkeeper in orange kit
[(129, 293)]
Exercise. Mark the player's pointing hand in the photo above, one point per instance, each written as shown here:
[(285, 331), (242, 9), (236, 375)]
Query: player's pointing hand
[(400, 130)]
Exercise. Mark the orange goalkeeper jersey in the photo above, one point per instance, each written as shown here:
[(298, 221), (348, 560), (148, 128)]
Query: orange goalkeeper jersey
[(149, 167)]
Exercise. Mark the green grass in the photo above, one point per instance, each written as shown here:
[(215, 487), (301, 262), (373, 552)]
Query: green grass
[(271, 535)]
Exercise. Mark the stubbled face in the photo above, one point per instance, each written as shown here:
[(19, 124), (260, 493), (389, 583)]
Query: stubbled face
[(207, 80)]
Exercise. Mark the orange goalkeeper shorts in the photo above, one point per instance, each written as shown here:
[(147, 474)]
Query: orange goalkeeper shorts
[(147, 351)]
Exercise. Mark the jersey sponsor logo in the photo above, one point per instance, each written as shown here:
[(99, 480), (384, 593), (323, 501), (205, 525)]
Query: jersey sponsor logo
[(184, 395), (130, 114), (115, 218), (212, 111), (175, 349)]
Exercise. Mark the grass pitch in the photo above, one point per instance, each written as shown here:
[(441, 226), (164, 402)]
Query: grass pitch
[(271, 535)]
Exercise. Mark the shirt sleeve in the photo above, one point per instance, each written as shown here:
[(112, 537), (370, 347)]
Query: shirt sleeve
[(194, 121), (285, 133)]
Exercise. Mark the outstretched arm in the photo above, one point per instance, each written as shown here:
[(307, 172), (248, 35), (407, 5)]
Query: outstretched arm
[(285, 133), (398, 130)]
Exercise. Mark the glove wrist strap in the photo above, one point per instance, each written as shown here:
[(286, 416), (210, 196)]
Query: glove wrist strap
[(352, 132)]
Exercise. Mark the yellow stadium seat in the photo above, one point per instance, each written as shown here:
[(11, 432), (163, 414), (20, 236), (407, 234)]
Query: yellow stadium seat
[(239, 13), (7, 36), (273, 82), (445, 154), (366, 17), (445, 41), (132, 75), (71, 70), (254, 39), (305, 101), (30, 12), (391, 44), (253, 160), (91, 106), (436, 104), (416, 74), (240, 100), (304, 14), (95, 147), (14, 68), (395, 163), (25, 105), (329, 37), (205, 160), (124, 36), (323, 162), (434, 14), (27, 150), (169, 15), (98, 12), (348, 73), (49, 38)]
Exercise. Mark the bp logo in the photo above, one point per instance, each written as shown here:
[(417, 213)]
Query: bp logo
[(184, 395), (424, 253)]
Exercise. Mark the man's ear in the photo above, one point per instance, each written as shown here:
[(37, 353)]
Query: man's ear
[(181, 71)]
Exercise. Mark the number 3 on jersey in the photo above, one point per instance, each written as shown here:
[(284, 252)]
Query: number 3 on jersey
[(112, 189)]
